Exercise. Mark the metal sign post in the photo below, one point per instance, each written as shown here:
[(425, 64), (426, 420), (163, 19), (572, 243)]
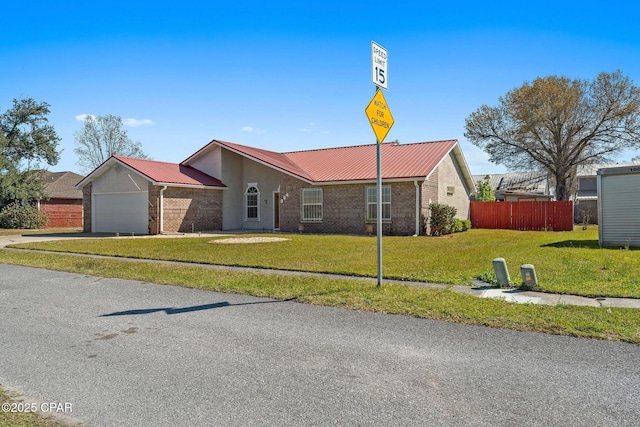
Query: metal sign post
[(381, 121), (379, 208)]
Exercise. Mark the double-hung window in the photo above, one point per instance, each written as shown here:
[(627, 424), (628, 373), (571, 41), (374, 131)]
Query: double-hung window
[(312, 204), (252, 198), (372, 203)]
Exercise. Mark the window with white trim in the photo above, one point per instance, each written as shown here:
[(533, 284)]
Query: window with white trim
[(252, 197), (312, 204), (372, 203)]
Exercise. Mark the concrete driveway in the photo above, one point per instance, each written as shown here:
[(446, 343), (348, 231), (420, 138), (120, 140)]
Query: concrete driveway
[(126, 353)]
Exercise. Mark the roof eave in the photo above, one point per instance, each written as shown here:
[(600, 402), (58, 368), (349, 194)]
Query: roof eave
[(173, 184), (370, 181)]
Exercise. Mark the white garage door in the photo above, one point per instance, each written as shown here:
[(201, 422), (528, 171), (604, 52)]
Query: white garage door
[(121, 213)]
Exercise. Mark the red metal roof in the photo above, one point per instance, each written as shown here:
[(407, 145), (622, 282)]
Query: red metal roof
[(170, 173), (355, 163), (359, 163)]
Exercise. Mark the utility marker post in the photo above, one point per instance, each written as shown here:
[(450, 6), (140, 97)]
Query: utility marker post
[(381, 121)]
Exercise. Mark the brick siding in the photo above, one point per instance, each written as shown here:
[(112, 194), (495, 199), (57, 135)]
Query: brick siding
[(62, 212), (189, 209), (344, 209), (86, 205), (154, 208)]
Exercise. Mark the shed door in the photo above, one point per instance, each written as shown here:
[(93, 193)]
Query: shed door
[(124, 213)]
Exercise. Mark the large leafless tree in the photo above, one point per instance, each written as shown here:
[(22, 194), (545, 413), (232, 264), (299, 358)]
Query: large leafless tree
[(101, 137), (555, 124)]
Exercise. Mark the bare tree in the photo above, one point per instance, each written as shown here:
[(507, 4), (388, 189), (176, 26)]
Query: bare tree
[(102, 137), (556, 124)]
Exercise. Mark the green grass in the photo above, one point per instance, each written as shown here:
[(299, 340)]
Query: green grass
[(612, 324), (565, 262)]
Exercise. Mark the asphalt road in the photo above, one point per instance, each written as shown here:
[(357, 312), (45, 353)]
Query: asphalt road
[(123, 353)]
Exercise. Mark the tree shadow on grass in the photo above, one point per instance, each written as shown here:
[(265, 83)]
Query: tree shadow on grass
[(583, 244), (173, 310)]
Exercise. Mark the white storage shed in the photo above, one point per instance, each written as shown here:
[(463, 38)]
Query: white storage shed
[(619, 206)]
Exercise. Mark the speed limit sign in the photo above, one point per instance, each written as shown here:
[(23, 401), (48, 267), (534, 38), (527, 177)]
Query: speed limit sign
[(379, 64)]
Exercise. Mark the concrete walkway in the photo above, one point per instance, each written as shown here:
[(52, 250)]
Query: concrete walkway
[(481, 289)]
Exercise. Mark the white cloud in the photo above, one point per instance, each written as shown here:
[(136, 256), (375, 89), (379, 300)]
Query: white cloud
[(83, 117), (126, 122), (311, 129), (250, 129), (134, 123)]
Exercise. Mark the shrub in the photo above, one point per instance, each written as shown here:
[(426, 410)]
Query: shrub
[(442, 219), (461, 225), (18, 215)]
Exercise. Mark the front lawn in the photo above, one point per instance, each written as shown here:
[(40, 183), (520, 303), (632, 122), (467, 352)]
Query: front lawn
[(604, 323), (566, 262)]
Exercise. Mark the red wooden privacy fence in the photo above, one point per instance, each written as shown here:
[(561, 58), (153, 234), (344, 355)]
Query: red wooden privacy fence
[(551, 216)]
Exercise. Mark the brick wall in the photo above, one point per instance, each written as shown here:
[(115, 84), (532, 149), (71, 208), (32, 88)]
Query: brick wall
[(154, 208), (62, 212), (403, 209), (290, 190), (190, 209), (86, 205), (344, 208)]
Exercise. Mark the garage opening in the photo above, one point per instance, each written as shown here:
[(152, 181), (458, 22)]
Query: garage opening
[(124, 213)]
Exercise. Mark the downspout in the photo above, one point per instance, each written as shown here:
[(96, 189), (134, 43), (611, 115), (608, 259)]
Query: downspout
[(415, 183), (162, 209)]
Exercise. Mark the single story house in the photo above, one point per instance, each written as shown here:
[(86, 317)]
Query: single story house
[(63, 205), (585, 199), (519, 186), (228, 186)]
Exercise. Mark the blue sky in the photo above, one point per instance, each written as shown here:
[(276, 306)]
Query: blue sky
[(291, 76)]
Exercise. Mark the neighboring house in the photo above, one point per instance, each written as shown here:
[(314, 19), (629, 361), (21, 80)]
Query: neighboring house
[(64, 204), (246, 188), (518, 186), (586, 196)]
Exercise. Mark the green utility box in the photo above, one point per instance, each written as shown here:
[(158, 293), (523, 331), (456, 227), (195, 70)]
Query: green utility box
[(502, 273), (529, 279)]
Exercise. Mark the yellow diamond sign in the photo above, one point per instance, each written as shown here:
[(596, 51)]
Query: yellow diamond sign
[(379, 116)]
